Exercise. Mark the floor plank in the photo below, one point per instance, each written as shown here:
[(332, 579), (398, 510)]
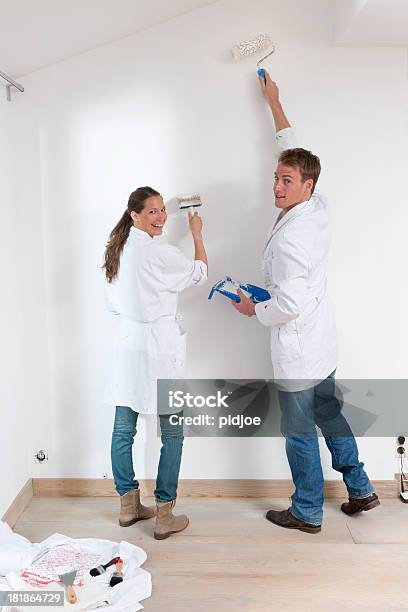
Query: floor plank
[(231, 558), (387, 525)]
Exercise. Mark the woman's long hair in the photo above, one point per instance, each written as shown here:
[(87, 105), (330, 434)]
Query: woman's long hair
[(120, 232)]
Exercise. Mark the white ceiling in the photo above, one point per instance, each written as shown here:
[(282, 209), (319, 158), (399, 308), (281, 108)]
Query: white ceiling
[(371, 23), (36, 33)]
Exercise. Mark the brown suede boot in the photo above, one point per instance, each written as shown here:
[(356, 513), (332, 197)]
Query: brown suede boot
[(131, 510), (166, 523), (354, 505)]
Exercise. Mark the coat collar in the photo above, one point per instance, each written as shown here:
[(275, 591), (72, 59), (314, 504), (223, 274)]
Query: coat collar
[(139, 234), (291, 214)]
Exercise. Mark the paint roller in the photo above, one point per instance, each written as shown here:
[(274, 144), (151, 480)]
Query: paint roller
[(249, 47)]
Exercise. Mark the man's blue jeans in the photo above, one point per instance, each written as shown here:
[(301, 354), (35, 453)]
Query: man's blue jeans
[(124, 431), (301, 412)]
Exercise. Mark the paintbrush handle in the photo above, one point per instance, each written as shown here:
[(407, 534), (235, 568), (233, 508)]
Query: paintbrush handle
[(71, 595)]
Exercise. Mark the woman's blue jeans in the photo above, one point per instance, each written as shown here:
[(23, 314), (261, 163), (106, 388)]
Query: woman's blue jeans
[(301, 412), (124, 431)]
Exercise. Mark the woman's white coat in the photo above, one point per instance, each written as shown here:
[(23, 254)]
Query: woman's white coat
[(149, 343)]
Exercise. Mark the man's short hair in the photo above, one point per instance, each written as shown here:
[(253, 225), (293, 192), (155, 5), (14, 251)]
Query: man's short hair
[(307, 163)]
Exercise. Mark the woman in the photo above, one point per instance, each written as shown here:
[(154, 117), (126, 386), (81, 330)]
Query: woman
[(144, 277)]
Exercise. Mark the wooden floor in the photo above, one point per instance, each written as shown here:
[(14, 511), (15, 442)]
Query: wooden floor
[(231, 558)]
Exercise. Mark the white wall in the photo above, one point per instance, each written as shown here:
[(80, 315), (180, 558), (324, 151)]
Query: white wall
[(169, 108), (345, 12), (371, 23), (23, 358)]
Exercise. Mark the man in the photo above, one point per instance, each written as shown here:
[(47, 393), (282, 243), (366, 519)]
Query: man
[(303, 335)]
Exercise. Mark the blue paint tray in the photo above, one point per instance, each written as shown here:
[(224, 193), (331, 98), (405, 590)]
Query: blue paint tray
[(228, 287)]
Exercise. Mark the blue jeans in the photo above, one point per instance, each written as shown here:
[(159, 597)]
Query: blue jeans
[(301, 412), (124, 431)]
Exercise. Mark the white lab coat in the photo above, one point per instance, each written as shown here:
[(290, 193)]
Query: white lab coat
[(299, 314), (149, 342)]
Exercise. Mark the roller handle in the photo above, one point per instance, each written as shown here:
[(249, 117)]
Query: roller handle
[(261, 73), (71, 595)]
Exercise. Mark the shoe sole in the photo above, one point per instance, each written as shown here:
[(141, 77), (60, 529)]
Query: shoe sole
[(133, 521), (370, 506), (305, 529), (164, 536)]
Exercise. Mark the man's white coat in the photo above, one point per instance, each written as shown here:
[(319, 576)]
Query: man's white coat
[(300, 315)]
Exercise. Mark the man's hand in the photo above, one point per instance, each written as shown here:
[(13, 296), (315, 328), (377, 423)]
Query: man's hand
[(245, 306), (270, 90)]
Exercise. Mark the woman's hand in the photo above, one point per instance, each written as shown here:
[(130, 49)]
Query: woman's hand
[(195, 223)]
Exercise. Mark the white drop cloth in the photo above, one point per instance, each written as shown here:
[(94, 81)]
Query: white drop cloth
[(17, 553)]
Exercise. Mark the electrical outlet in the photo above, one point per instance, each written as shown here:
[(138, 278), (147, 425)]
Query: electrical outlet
[(401, 446), (41, 456)]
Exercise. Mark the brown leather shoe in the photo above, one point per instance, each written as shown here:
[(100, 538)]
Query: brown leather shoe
[(284, 518), (353, 506)]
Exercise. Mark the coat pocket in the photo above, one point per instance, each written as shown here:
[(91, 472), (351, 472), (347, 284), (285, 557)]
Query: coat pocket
[(169, 352), (180, 350), (289, 346)]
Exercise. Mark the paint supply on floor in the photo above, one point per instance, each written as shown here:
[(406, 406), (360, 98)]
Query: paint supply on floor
[(101, 569), (189, 202), (18, 555), (67, 578), (117, 575), (228, 287), (249, 47), (43, 570)]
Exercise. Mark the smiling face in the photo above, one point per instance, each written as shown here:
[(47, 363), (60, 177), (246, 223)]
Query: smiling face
[(289, 188), (152, 218)]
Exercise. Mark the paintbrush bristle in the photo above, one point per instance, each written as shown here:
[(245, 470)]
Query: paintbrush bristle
[(192, 200)]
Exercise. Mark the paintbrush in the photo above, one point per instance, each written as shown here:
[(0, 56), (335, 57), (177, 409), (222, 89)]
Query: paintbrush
[(68, 580), (101, 569), (190, 201), (117, 576)]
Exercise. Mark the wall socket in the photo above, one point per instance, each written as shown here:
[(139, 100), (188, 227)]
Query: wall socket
[(401, 446), (41, 456)]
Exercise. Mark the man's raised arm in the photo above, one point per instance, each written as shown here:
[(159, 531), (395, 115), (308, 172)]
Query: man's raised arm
[(285, 136)]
